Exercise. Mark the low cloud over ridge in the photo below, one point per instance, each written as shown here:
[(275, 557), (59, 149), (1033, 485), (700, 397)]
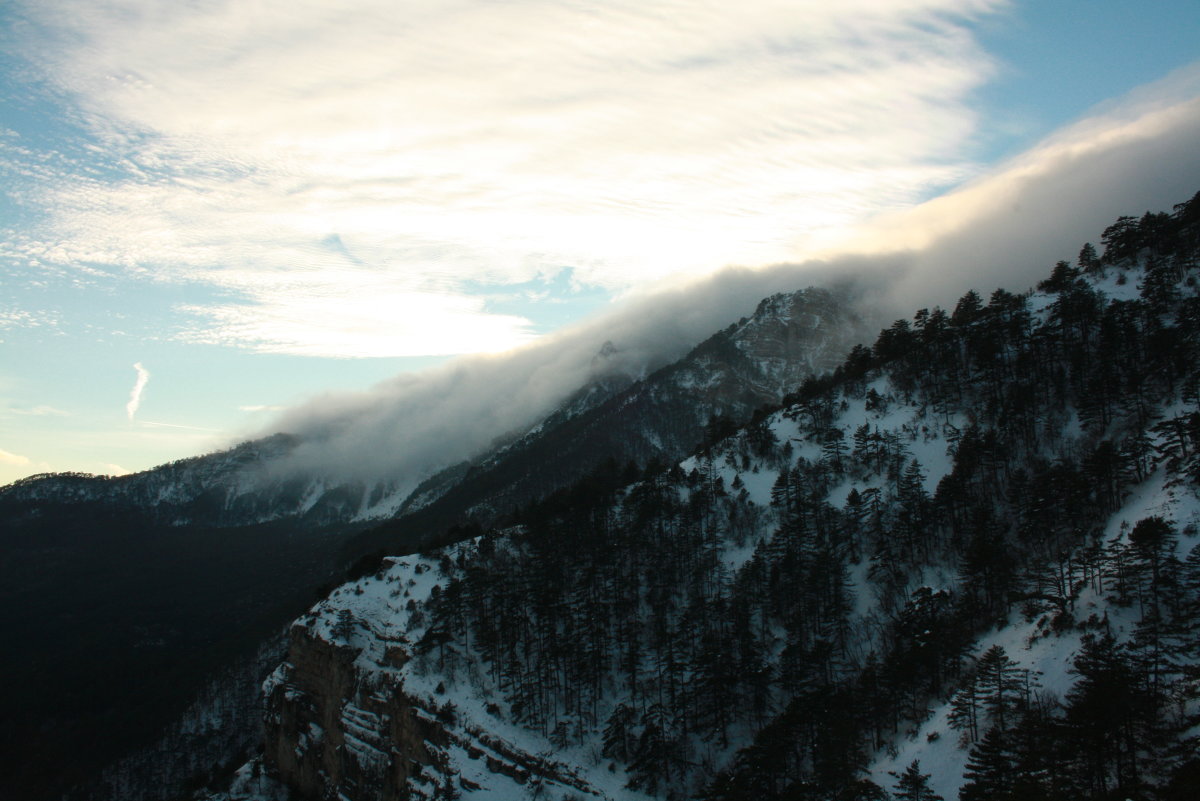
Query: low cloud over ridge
[(1005, 229)]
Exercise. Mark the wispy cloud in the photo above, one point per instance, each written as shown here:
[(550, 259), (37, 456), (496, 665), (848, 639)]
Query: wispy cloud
[(1007, 229), (153, 424), (39, 411), (13, 459), (261, 408), (135, 394), (27, 318), (342, 173)]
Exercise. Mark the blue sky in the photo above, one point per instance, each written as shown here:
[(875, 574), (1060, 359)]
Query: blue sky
[(258, 203)]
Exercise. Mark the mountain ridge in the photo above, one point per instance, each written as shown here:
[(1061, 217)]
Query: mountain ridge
[(813, 605), (228, 498)]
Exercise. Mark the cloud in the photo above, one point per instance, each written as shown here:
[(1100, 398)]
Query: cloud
[(152, 424), (1009, 226), (39, 411), (261, 408), (343, 175), (27, 318), (13, 459), (338, 315), (135, 394), (1006, 229)]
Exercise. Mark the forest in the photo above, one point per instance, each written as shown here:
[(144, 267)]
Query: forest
[(761, 620)]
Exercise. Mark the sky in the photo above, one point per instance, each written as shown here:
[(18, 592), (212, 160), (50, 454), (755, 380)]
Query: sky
[(220, 218)]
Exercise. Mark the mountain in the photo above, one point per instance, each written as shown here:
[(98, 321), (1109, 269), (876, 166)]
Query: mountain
[(235, 487), (790, 337), (963, 563), (141, 588)]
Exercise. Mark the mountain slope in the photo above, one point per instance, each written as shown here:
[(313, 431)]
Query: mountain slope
[(750, 364), (853, 593), (188, 565)]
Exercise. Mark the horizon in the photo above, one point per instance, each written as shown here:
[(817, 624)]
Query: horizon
[(212, 218)]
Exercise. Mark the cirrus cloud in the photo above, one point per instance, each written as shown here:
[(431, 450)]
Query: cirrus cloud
[(372, 160)]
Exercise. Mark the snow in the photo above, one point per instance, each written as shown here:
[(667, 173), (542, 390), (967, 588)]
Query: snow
[(313, 494), (1120, 284), (378, 605), (1032, 645), (758, 485)]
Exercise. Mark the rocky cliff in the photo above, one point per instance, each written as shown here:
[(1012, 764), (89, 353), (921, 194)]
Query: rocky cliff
[(349, 716), (327, 728)]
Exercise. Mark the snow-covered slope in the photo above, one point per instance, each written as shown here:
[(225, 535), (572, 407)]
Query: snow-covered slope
[(804, 607), (963, 561)]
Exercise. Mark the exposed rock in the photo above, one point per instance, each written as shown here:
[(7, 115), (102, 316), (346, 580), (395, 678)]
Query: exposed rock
[(333, 730), (340, 725)]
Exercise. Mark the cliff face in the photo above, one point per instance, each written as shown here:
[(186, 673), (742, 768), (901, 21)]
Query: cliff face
[(330, 728), (349, 715)]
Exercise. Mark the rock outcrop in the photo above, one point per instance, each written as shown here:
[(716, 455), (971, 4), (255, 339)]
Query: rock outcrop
[(333, 729), (343, 723)]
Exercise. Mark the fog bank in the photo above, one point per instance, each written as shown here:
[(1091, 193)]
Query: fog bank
[(1006, 228)]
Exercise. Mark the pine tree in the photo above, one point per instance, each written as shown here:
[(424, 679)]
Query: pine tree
[(964, 712), (657, 753), (1089, 262), (1102, 715), (988, 773), (967, 309), (834, 449), (913, 785), (618, 733), (1000, 686)]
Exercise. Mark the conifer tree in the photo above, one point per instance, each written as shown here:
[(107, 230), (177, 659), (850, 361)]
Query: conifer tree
[(988, 772), (913, 785)]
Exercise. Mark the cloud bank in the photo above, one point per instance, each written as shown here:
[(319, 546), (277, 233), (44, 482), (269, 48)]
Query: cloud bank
[(342, 175), (1131, 155), (1005, 229)]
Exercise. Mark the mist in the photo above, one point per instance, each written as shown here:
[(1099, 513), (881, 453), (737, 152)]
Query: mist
[(1004, 229), (409, 426)]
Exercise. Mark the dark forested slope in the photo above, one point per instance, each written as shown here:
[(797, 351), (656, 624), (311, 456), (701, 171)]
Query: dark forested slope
[(964, 563)]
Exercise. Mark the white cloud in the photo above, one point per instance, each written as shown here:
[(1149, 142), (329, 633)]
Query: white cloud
[(355, 314), (1007, 229), (152, 424), (1009, 226), (139, 386), (13, 459), (39, 411), (27, 318), (343, 171)]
